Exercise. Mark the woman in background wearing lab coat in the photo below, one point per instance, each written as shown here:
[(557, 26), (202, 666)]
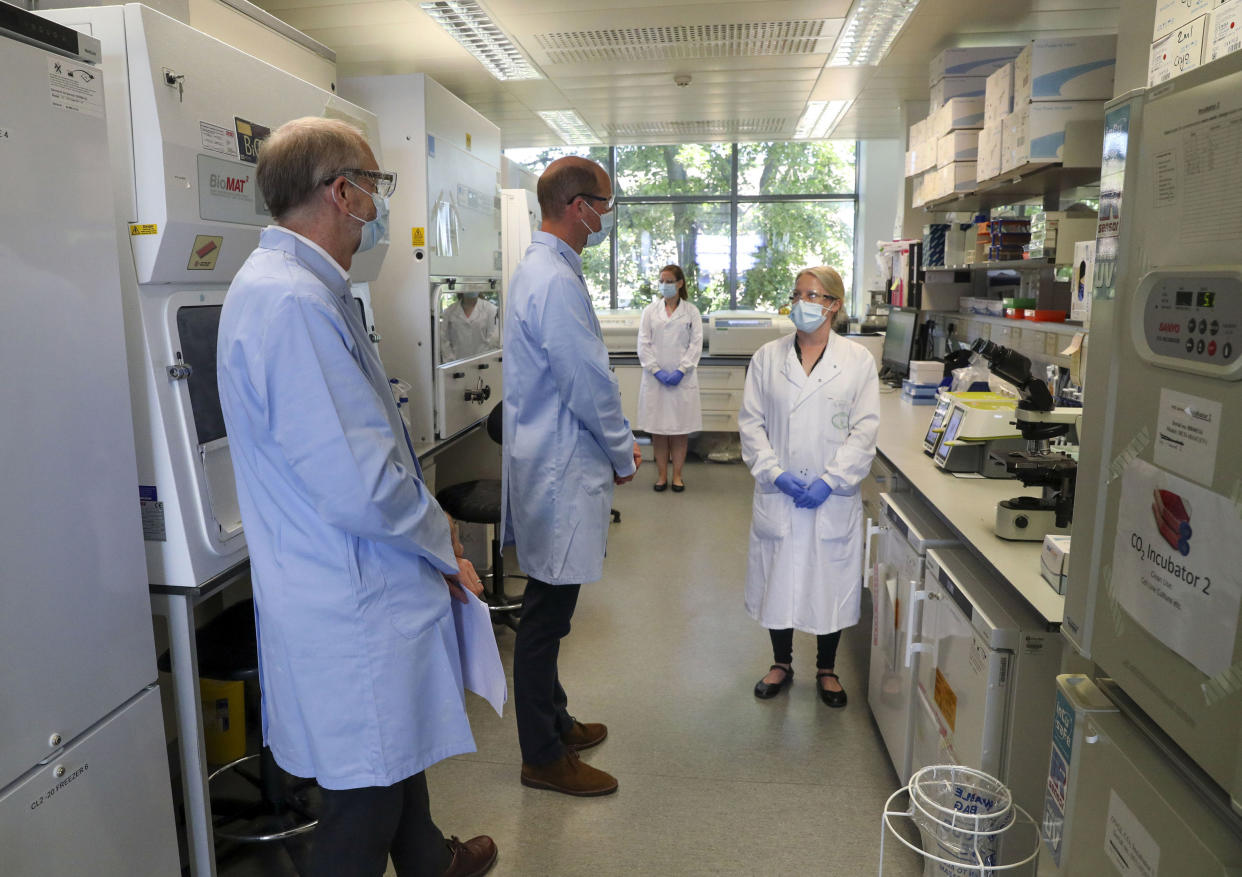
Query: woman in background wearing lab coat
[(470, 325), (670, 342), (808, 423)]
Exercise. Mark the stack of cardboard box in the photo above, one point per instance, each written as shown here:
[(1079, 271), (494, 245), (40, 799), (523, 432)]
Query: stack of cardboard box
[(1057, 81), (957, 78), (920, 157)]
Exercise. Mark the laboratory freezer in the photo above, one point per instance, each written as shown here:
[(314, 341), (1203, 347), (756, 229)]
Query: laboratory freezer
[(908, 528)]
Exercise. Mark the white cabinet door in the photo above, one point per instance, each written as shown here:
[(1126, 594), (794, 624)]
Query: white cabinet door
[(628, 377)]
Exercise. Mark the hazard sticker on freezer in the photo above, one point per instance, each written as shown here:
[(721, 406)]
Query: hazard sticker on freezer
[(946, 700), (1177, 564), (74, 87), (205, 252)]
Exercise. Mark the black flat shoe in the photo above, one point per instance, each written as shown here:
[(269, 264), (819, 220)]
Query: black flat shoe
[(678, 488), (660, 488), (834, 699), (765, 690)]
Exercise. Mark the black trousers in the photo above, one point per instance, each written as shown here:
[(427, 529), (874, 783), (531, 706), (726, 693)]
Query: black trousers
[(826, 645), (539, 700), (360, 828)]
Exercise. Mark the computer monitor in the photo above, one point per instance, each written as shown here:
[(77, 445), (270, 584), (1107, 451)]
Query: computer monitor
[(899, 340)]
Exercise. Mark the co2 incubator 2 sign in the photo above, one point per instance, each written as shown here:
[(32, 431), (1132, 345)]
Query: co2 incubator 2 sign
[(1177, 564)]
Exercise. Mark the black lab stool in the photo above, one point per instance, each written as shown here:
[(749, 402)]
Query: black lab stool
[(277, 805), (479, 502)]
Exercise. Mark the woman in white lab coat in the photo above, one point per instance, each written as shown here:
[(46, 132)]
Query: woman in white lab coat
[(670, 342), (808, 424), (469, 326)]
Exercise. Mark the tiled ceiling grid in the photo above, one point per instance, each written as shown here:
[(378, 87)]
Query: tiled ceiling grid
[(753, 66)]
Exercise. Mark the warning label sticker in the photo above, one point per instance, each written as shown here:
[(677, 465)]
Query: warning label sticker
[(75, 87), (205, 252), (218, 139)]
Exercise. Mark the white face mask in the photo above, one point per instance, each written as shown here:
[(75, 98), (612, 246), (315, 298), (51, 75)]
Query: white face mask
[(808, 316), (668, 290), (605, 226)]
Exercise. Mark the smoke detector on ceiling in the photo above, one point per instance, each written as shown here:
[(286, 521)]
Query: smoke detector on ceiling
[(681, 80)]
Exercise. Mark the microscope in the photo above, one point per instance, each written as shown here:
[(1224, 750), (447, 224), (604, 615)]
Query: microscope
[(1039, 420)]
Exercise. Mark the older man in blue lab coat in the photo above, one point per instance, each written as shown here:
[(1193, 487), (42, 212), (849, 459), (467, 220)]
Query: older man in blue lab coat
[(566, 443), (353, 562)]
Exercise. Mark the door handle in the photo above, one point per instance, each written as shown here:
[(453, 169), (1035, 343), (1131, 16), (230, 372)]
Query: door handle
[(911, 646)]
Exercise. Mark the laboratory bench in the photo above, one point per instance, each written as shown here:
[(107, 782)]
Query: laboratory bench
[(966, 505)]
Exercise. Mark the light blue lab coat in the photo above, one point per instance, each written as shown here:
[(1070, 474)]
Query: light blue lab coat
[(564, 433), (359, 662)]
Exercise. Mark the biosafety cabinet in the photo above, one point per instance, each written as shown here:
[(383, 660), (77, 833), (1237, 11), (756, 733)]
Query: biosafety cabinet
[(1154, 593), (187, 114), (442, 279)]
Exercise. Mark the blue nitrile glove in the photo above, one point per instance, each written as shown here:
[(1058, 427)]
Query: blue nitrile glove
[(674, 378), (814, 495), (662, 376), (789, 485)]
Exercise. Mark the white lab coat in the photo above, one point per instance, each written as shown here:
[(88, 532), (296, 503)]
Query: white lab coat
[(670, 342), (463, 335), (805, 565)]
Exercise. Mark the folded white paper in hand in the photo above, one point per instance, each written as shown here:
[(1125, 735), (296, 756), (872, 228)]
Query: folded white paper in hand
[(481, 670)]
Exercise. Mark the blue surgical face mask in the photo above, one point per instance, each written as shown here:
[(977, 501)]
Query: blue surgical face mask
[(470, 296), (668, 290), (605, 226), (808, 316), (375, 230)]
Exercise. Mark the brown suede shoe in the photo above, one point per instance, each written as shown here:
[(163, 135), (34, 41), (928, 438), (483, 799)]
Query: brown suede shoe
[(471, 858), (569, 776), (584, 735)]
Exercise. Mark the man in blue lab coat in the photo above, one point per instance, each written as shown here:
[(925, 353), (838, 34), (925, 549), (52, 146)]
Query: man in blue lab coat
[(352, 560), (566, 443)]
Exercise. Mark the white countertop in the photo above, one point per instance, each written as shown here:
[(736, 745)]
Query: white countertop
[(967, 505)]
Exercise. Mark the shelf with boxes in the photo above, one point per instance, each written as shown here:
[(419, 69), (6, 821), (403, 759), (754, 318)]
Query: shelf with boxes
[(980, 270), (1021, 122), (1025, 289)]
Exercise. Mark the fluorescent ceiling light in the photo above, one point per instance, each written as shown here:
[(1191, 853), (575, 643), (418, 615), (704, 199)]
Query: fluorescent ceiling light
[(869, 31), (468, 23), (569, 126), (820, 117)]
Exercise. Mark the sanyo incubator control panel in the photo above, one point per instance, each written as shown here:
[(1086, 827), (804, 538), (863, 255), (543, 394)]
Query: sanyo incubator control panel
[(1191, 320)]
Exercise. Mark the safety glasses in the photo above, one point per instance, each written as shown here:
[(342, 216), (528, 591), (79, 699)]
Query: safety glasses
[(385, 182), (608, 202)]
